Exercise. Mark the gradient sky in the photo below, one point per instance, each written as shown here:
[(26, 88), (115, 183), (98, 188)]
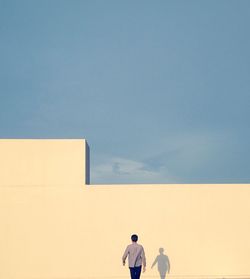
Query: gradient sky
[(160, 89)]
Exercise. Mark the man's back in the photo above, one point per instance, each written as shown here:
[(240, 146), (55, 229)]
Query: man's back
[(136, 255)]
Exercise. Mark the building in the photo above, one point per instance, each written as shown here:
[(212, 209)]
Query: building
[(53, 224)]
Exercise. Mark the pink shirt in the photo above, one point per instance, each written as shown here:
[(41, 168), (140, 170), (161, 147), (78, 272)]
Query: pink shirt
[(136, 255)]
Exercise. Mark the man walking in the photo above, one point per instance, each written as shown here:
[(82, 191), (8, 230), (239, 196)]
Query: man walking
[(136, 258)]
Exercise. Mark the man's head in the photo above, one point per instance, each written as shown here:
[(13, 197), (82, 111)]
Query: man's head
[(134, 237)]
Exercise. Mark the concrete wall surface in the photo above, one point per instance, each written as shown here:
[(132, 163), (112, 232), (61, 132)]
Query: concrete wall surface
[(73, 231), (42, 162)]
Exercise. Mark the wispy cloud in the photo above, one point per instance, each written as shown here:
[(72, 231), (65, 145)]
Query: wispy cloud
[(122, 170), (188, 158), (193, 157)]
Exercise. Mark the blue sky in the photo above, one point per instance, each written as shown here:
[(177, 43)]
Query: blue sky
[(160, 89)]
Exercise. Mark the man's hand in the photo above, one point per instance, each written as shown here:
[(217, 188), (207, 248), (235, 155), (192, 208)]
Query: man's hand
[(123, 263), (144, 269)]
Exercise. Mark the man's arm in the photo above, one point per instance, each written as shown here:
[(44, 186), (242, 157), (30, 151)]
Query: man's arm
[(143, 259), (125, 256)]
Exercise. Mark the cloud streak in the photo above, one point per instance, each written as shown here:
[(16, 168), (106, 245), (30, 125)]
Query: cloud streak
[(122, 170), (181, 159)]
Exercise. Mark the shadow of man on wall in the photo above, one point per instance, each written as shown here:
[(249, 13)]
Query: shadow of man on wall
[(163, 263)]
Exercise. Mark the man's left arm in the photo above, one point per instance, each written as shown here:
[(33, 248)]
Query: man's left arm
[(143, 259)]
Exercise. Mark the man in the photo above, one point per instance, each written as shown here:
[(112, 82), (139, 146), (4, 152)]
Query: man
[(136, 258)]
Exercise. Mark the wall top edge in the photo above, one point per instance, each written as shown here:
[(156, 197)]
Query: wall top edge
[(119, 186), (166, 184)]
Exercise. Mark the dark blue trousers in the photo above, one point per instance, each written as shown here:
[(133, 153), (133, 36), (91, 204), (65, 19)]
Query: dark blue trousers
[(135, 272)]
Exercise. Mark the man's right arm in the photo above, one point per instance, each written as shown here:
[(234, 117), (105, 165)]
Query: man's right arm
[(125, 256)]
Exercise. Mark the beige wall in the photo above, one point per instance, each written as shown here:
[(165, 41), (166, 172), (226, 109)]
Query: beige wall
[(42, 162), (79, 231)]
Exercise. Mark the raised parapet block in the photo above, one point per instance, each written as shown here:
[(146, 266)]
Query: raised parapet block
[(44, 162)]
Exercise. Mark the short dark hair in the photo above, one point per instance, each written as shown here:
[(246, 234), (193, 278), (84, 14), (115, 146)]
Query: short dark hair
[(134, 237)]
